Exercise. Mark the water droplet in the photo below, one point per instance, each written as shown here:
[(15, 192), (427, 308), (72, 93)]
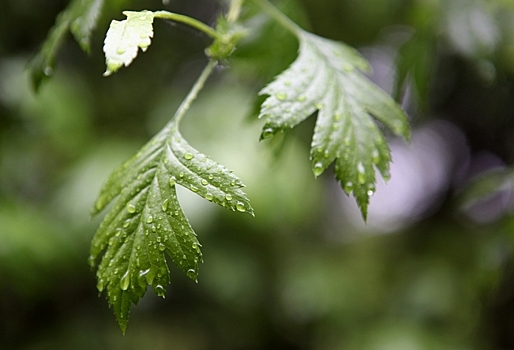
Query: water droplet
[(149, 219), (160, 291), (164, 205), (337, 117), (361, 173), (209, 196), (126, 223), (172, 182), (287, 83), (162, 247), (267, 133), (120, 51), (181, 175), (143, 36), (191, 273), (131, 208), (370, 193), (193, 188), (188, 156), (228, 197), (204, 182), (125, 280), (326, 154), (100, 285), (348, 187), (184, 257), (48, 71), (319, 105), (240, 207), (211, 177), (281, 96), (301, 98), (348, 67), (318, 169), (154, 229), (143, 273), (376, 156)]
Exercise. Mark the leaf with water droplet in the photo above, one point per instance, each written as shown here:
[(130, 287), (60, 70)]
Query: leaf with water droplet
[(327, 77), (81, 17), (144, 192), (124, 39)]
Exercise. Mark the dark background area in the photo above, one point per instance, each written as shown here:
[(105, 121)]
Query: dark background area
[(428, 271)]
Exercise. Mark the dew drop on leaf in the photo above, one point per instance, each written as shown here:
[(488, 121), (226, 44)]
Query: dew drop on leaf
[(209, 196), (120, 51), (281, 96), (191, 273), (228, 197), (318, 169), (164, 205), (149, 219), (267, 133), (172, 182), (131, 208), (240, 207), (204, 182), (125, 281), (188, 156)]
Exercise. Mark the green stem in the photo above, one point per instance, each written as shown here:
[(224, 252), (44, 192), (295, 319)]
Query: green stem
[(193, 93), (189, 21), (278, 16), (234, 10)]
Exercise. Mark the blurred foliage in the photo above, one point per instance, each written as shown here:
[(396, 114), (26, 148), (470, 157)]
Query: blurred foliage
[(300, 275)]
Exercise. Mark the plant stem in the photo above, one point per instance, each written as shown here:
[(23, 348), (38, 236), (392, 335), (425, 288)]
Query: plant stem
[(193, 93), (234, 10), (278, 16), (189, 21)]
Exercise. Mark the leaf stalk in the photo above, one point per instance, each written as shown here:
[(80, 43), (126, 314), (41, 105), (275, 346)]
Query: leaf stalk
[(278, 16), (189, 21), (193, 93)]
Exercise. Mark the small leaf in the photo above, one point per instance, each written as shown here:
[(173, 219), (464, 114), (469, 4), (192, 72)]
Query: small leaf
[(125, 37), (85, 21), (146, 220), (326, 78), (415, 63), (82, 17)]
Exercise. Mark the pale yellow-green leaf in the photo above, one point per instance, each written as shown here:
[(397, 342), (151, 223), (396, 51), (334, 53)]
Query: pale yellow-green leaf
[(125, 38)]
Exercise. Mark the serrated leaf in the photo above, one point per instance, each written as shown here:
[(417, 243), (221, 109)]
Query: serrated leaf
[(146, 221), (82, 17), (326, 78), (125, 38)]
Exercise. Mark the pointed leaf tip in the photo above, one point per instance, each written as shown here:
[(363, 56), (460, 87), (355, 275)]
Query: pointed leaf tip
[(326, 77), (146, 221)]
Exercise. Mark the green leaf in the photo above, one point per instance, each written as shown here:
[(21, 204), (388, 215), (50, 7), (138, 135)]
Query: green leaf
[(124, 38), (82, 17), (485, 186), (146, 220), (415, 62), (326, 78)]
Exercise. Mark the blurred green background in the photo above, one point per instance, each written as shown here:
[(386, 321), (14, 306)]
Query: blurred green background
[(427, 272)]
